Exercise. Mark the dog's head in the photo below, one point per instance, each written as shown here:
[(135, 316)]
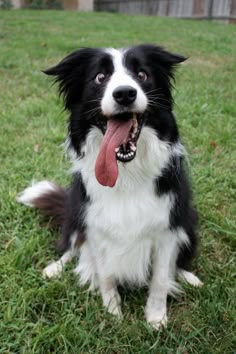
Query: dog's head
[(114, 90)]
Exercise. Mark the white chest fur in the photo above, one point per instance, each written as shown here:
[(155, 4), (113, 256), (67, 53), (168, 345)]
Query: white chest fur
[(122, 221), (123, 226)]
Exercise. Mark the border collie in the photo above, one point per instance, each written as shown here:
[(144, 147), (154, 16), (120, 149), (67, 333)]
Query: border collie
[(128, 213)]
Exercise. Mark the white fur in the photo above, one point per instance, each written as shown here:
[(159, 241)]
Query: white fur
[(164, 260), (34, 191), (121, 77), (190, 278), (86, 268), (54, 269)]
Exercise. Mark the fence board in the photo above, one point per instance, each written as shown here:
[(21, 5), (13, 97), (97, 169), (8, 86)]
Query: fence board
[(221, 7), (198, 8), (233, 8), (163, 8)]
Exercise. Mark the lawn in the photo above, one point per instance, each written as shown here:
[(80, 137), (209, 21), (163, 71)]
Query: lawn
[(57, 316)]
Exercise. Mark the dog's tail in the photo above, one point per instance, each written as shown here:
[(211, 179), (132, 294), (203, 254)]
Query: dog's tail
[(49, 198)]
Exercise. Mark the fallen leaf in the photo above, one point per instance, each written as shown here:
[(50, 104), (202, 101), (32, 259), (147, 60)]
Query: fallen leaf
[(213, 144)]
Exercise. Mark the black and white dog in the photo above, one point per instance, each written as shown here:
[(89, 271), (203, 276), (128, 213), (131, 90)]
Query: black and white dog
[(128, 212)]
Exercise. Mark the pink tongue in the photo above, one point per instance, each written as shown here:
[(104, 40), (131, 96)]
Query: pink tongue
[(106, 169)]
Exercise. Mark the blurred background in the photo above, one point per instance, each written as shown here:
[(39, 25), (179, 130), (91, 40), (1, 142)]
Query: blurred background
[(224, 10)]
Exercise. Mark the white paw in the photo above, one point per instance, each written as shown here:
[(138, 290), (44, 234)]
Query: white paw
[(156, 315), (112, 303), (53, 270), (115, 309), (190, 278), (157, 322)]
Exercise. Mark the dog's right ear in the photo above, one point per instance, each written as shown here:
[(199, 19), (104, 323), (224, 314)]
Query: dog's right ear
[(52, 71), (70, 74), (65, 66)]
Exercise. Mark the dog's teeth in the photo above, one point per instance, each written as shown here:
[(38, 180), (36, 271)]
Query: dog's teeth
[(133, 147), (135, 124), (117, 149)]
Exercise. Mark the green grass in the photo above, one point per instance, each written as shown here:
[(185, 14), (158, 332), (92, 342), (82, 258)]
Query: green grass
[(41, 316)]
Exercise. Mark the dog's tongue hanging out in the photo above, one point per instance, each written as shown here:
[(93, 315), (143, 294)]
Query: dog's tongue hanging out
[(106, 169)]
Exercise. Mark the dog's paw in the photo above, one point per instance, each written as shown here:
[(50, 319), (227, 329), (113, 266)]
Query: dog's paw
[(114, 308), (156, 316), (157, 321), (53, 270), (113, 304), (189, 278)]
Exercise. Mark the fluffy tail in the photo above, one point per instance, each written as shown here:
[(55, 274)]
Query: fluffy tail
[(49, 198)]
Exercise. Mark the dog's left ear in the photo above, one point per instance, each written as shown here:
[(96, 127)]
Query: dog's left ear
[(166, 58), (173, 59)]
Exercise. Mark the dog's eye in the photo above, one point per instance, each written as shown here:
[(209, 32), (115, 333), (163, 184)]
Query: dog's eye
[(99, 78), (142, 75)]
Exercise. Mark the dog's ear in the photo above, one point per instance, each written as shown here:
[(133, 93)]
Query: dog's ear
[(170, 58), (162, 56), (64, 66), (70, 74), (54, 70)]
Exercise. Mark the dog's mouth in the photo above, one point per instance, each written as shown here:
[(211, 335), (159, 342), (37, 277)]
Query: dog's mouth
[(119, 144), (127, 150)]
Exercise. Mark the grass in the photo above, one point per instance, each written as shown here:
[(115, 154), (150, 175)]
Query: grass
[(41, 316)]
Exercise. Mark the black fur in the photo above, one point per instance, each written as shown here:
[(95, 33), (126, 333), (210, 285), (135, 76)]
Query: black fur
[(75, 208)]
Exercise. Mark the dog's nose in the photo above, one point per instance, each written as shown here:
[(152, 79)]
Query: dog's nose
[(125, 95)]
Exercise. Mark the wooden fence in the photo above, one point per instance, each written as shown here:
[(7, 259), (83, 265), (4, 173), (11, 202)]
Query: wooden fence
[(198, 9)]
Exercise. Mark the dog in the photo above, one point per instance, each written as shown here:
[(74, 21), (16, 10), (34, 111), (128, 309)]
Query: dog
[(128, 213)]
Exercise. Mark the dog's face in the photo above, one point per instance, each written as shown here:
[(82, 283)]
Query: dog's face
[(114, 90)]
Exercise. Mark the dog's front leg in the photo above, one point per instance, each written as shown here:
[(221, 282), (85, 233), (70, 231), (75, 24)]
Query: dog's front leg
[(107, 284), (110, 296), (164, 260)]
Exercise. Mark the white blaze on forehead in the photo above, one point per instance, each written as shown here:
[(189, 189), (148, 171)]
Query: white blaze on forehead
[(121, 77)]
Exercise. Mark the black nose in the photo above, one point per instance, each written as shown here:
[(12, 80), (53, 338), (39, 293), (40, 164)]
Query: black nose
[(125, 95)]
